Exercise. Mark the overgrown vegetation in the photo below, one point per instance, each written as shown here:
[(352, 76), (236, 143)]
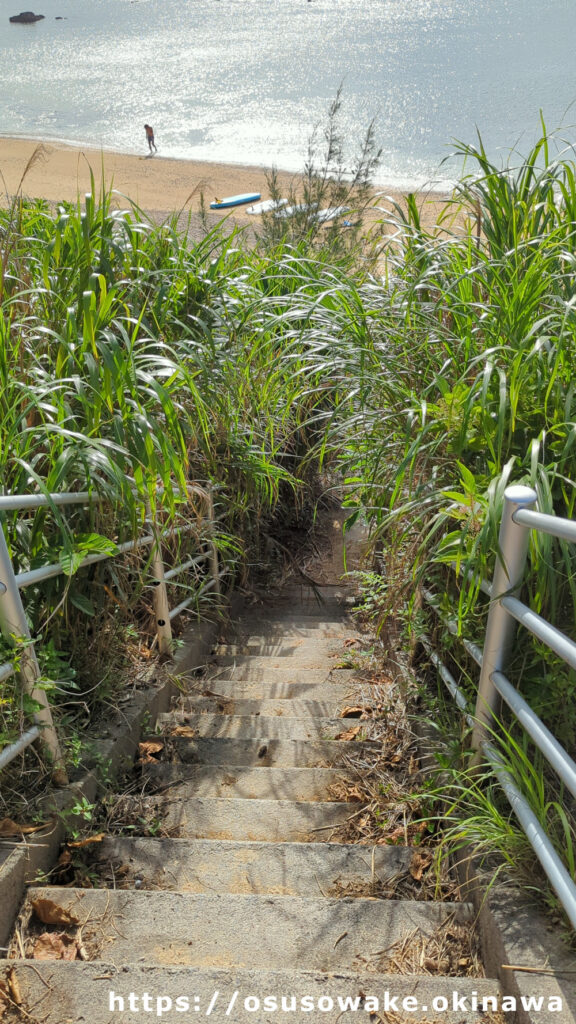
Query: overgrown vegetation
[(131, 359), (132, 365)]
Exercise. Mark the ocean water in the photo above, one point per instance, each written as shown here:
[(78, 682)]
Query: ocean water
[(246, 81)]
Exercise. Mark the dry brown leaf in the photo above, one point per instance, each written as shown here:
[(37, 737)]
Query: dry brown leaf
[(183, 730), (353, 711), (151, 746), (354, 794), (396, 834), (123, 870), (12, 828), (420, 861), (14, 986), (52, 913), (350, 734), (351, 641), (87, 841), (55, 946), (147, 748)]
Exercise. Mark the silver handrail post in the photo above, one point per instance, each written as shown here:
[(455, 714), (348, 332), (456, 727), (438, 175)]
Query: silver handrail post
[(14, 626), (214, 567), (501, 627), (160, 597), (207, 496)]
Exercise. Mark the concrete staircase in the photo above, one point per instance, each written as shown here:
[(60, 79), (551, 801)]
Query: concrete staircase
[(240, 907)]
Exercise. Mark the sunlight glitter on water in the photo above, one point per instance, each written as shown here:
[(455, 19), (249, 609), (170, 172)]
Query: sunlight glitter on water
[(245, 81)]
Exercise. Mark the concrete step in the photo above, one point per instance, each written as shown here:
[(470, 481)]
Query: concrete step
[(317, 652), (282, 637), (279, 708), (275, 821), (286, 630), (304, 661), (262, 753), (279, 647), (325, 601), (64, 991), (247, 783), (269, 932), (279, 674), (340, 687), (274, 673), (292, 614), (250, 726), (282, 869)]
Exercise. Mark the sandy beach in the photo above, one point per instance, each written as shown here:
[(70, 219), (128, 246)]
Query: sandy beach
[(159, 186)]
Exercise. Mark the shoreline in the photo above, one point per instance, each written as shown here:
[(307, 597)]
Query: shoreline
[(160, 186)]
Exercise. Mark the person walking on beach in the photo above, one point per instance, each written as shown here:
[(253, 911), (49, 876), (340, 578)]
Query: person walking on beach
[(150, 138)]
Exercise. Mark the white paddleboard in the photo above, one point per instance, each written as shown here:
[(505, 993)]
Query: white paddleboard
[(289, 211), (266, 205), (330, 213)]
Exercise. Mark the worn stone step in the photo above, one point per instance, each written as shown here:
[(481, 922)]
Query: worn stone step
[(326, 601), (249, 672), (249, 783), (279, 647), (283, 634), (275, 655), (293, 616), (249, 726), (283, 869), (275, 821), (285, 631), (65, 990), (279, 708), (271, 932), (340, 687), (277, 674), (308, 660), (262, 753)]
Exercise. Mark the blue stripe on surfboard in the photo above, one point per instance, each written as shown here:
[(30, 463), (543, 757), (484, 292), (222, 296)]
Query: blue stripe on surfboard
[(246, 197)]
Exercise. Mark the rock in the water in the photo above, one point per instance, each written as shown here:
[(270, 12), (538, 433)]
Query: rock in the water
[(25, 17)]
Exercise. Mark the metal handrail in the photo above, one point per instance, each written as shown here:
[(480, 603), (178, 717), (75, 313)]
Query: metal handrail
[(19, 502), (472, 649), (48, 572), (546, 742), (7, 754), (13, 620), (542, 630), (505, 611)]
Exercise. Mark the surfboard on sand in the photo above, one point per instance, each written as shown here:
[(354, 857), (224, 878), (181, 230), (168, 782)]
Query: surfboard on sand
[(246, 197), (267, 205), (289, 211), (330, 213)]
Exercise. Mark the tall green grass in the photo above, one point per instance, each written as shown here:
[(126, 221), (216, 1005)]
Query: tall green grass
[(132, 358), (133, 361), (470, 386)]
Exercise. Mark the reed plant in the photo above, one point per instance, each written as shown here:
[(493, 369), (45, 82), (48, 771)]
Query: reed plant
[(132, 359), (334, 179), (463, 383), (133, 363)]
